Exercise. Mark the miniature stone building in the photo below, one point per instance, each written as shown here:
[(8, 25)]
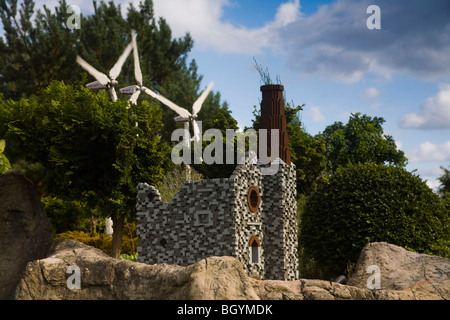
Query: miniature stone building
[(250, 216)]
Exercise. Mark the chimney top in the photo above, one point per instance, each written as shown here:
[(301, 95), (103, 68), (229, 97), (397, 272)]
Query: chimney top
[(273, 117), (272, 87)]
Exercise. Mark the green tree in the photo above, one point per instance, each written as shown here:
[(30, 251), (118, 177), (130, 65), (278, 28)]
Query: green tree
[(34, 54), (370, 202), (5, 166), (360, 140), (307, 153), (89, 146), (220, 119), (37, 50), (444, 188)]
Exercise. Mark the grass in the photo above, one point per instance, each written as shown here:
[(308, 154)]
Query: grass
[(174, 180)]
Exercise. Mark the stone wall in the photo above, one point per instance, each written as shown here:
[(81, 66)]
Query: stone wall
[(248, 224), (197, 223), (280, 228)]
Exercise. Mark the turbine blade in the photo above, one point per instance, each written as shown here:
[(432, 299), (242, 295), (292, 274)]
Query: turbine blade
[(196, 131), (115, 71), (187, 135), (113, 93), (101, 77), (135, 96), (198, 103), (182, 112), (137, 66)]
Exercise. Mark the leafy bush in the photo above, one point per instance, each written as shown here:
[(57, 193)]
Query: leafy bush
[(67, 215), (368, 203), (103, 242), (125, 256), (5, 166)]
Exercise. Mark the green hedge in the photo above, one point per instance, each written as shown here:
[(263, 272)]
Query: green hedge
[(369, 203), (5, 166), (103, 242)]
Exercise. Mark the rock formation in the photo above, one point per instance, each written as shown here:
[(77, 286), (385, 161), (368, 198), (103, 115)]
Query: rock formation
[(103, 277), (418, 276), (25, 232)]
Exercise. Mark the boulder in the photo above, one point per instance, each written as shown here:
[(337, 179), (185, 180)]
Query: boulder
[(25, 232), (410, 274), (103, 277), (214, 278)]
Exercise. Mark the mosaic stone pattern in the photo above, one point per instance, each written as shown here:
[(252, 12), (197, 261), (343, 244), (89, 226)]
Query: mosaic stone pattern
[(280, 227), (213, 218), (197, 223)]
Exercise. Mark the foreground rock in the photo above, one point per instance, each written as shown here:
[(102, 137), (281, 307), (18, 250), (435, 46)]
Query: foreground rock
[(103, 277), (414, 275), (25, 232)]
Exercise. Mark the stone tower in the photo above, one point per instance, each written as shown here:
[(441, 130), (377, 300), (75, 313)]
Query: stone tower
[(279, 197)]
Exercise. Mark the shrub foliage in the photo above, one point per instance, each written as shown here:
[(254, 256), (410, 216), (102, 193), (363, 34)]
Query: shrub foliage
[(103, 242), (368, 203)]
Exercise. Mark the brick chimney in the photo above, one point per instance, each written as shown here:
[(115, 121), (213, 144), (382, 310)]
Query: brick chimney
[(273, 117)]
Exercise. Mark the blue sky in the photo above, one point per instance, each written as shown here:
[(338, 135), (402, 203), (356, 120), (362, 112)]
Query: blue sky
[(327, 58)]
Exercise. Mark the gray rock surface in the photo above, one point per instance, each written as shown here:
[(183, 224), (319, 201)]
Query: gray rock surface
[(103, 277), (224, 278), (420, 275), (25, 232)]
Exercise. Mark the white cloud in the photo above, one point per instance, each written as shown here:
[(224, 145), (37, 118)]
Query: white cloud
[(434, 113), (431, 174), (334, 42), (430, 152), (434, 185), (398, 144), (316, 115), (202, 19), (371, 93)]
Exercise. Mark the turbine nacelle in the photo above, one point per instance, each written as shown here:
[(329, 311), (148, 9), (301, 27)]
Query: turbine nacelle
[(129, 89), (103, 81), (96, 85), (182, 119)]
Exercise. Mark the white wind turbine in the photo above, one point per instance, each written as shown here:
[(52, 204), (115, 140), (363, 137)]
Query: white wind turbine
[(184, 115), (103, 81)]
